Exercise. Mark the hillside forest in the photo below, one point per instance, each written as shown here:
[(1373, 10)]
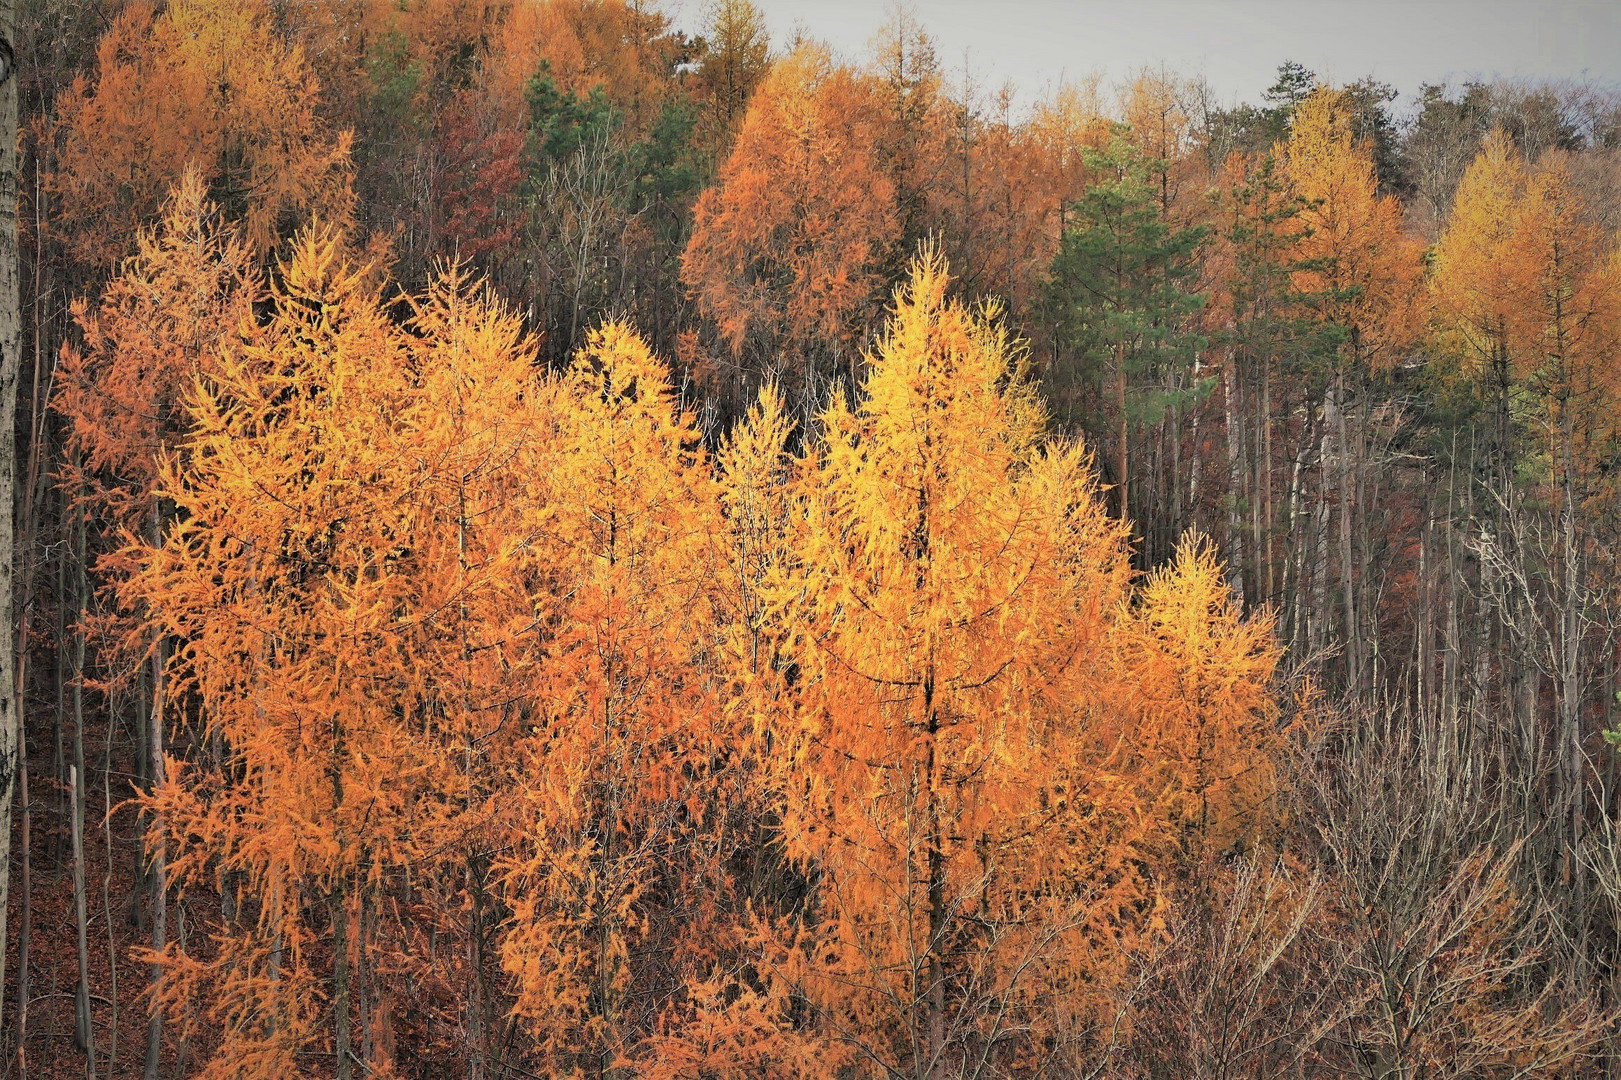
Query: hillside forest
[(554, 540)]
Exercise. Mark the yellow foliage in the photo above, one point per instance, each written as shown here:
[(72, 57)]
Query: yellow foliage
[(1360, 269)]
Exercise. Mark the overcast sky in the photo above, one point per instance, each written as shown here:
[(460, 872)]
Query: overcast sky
[(1236, 44)]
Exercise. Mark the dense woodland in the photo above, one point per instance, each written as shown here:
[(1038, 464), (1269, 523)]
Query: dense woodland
[(557, 543)]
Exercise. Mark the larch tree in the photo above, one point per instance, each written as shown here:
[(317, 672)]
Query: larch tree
[(614, 875), (787, 246), (1360, 269), (953, 581), (339, 582), (1206, 724), (1358, 278), (1154, 108), (916, 117), (156, 331), (736, 57), (1480, 281), (1002, 204), (205, 84), (153, 334)]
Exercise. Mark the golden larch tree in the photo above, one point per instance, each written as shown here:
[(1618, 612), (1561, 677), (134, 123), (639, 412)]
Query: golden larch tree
[(339, 580), (613, 877), (954, 581)]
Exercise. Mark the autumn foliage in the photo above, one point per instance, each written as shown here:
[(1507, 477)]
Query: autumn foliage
[(803, 215), (563, 541), (203, 84), (460, 636)]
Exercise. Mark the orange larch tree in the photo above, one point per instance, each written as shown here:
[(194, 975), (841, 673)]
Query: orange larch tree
[(204, 84), (1198, 679), (614, 873), (122, 392), (954, 580), (1480, 282), (787, 246), (338, 579), (1359, 268), (154, 332)]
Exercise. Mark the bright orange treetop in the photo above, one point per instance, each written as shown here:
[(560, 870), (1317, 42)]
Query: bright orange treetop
[(203, 84), (789, 241), (158, 327)]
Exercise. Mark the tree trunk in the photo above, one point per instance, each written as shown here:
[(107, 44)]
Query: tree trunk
[(935, 972), (10, 363), (340, 984), (83, 1034), (1570, 642), (1235, 477), (1265, 546), (157, 870), (1320, 618), (1342, 476), (24, 932), (1124, 432)]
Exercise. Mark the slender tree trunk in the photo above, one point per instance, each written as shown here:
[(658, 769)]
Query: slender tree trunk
[(10, 366), (367, 992), (25, 931), (1321, 618), (1235, 476), (157, 869), (83, 1033), (478, 1056), (1424, 623), (1451, 662), (935, 972), (59, 766), (1342, 477), (1367, 624), (1294, 569), (1193, 449), (84, 1036), (340, 984), (1269, 556), (107, 902), (1570, 641), (1124, 431)]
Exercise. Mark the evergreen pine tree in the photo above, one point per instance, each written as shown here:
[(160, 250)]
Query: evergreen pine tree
[(1122, 298)]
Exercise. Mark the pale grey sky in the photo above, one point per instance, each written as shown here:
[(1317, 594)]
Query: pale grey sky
[(1236, 44)]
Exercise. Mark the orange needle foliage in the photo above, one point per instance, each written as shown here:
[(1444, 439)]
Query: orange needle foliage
[(1480, 279), (954, 775), (790, 241), (340, 575), (203, 84), (621, 766), (156, 329), (1198, 680), (1520, 254), (486, 666)]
